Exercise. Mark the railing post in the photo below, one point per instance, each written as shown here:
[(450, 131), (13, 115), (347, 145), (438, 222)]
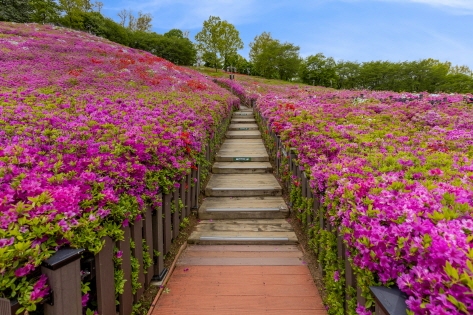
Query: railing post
[(126, 299), (389, 301), (175, 215), (63, 272), (182, 197), (148, 235), (137, 237), (158, 239), (105, 279), (167, 222), (188, 194), (9, 307)]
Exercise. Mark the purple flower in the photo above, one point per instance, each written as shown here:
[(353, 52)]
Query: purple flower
[(85, 299), (336, 276), (23, 271)]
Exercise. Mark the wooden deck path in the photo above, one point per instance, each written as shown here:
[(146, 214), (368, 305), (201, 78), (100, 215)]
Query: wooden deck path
[(245, 258)]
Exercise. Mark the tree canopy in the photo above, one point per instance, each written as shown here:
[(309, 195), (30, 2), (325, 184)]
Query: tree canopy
[(273, 59), (217, 41)]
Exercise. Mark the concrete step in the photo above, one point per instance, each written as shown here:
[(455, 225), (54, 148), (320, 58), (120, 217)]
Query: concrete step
[(243, 134), (243, 121), (220, 208), (241, 168), (243, 127), (243, 185), (243, 232)]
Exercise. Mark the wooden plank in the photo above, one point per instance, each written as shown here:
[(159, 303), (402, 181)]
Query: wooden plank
[(227, 311), (243, 254), (148, 235), (182, 197), (243, 289), (240, 302), (137, 237), (193, 189), (228, 261), (105, 281), (175, 216), (158, 238), (188, 194), (167, 223), (242, 248), (222, 271), (66, 285), (198, 186), (126, 299)]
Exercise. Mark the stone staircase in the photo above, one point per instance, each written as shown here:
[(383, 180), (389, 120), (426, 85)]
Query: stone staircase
[(243, 204)]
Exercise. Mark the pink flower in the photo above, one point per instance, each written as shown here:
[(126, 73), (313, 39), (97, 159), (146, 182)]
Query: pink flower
[(23, 271), (40, 288)]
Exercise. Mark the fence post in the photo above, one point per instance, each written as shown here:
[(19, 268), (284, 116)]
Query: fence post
[(167, 222), (105, 279), (9, 307), (175, 215), (126, 299), (63, 272), (137, 237), (182, 197), (158, 241), (188, 193), (148, 235), (389, 301), (350, 279)]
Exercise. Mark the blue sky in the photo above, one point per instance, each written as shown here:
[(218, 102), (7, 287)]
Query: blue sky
[(355, 30)]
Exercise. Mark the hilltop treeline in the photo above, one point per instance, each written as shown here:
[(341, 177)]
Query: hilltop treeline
[(132, 31), (218, 43)]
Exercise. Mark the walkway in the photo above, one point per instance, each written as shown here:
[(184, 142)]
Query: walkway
[(243, 257)]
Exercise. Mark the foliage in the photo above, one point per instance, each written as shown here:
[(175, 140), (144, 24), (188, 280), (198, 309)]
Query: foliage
[(273, 59), (218, 39), (410, 76), (90, 131), (394, 172)]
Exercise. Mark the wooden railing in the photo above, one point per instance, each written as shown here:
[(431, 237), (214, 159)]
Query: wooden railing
[(159, 227), (388, 301)]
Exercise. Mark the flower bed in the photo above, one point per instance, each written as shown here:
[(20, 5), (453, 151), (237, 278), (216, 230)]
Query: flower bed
[(394, 173), (89, 133)]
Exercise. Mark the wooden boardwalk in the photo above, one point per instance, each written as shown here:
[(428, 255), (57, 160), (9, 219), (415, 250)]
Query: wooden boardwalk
[(245, 258)]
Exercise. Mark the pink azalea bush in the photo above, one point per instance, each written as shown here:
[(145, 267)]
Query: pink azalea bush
[(90, 131), (395, 173)]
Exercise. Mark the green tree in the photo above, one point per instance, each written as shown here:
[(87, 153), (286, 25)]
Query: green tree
[(271, 59), (44, 11), (348, 74), (319, 70), (219, 39), (174, 33), (18, 11)]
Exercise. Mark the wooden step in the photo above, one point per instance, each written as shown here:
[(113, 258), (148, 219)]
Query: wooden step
[(243, 134), (250, 155), (243, 185), (221, 208), (243, 232), (242, 168), (243, 115), (241, 255), (243, 127), (243, 121)]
